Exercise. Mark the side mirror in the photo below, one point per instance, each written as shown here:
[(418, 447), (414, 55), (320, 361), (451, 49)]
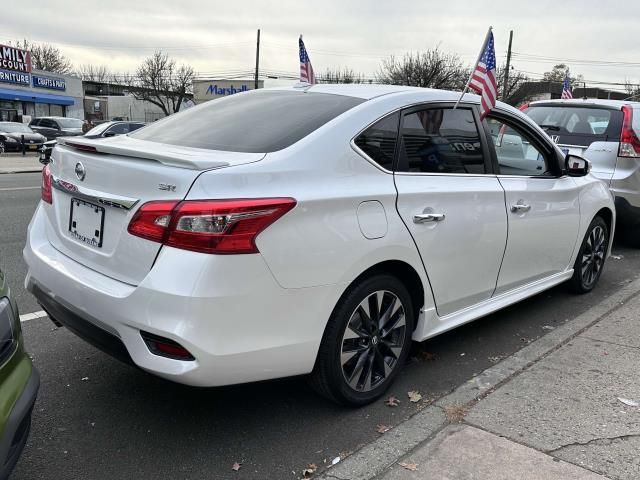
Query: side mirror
[(576, 166)]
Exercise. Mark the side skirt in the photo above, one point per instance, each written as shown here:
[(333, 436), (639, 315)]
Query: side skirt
[(433, 325)]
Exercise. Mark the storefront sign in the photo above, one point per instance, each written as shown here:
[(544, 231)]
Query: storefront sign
[(215, 90), (40, 81), (205, 90), (15, 59), (17, 78)]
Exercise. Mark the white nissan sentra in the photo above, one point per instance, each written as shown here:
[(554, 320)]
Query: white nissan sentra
[(312, 230)]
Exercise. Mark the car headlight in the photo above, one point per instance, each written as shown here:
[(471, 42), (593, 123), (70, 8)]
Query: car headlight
[(7, 336)]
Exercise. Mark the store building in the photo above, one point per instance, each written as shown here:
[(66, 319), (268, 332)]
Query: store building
[(205, 90), (26, 93)]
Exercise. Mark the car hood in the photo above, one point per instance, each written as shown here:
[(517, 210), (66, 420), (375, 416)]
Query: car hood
[(28, 137)]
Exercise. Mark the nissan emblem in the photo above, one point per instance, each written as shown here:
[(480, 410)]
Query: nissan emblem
[(80, 172)]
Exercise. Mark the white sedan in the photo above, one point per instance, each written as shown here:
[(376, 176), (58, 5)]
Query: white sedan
[(308, 230)]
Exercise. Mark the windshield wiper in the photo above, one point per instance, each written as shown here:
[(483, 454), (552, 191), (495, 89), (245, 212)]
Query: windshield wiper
[(555, 128)]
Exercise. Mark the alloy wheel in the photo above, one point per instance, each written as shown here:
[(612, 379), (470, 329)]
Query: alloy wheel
[(593, 255), (373, 341)]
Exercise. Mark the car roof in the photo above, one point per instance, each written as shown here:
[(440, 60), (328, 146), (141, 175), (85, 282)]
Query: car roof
[(596, 102)]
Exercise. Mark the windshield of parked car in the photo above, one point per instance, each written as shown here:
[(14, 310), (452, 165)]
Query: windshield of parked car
[(69, 122), (98, 129), (11, 127), (257, 122), (576, 125)]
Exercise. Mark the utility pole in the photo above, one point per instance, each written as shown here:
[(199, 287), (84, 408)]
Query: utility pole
[(505, 83), (257, 60)]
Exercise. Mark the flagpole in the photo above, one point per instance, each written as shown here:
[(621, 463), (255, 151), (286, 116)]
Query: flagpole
[(466, 88)]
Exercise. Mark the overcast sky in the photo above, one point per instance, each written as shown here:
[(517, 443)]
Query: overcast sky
[(219, 37)]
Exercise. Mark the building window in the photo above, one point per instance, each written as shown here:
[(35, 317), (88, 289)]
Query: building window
[(42, 109)]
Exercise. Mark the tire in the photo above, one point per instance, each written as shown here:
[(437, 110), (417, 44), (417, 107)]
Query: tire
[(356, 365), (591, 257)]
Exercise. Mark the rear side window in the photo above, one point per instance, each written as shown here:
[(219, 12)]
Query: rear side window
[(379, 140), (574, 125), (258, 122), (440, 140)]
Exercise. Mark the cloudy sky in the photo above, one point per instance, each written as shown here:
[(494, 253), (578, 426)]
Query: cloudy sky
[(596, 38)]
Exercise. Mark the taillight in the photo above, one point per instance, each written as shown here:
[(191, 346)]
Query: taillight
[(209, 226), (45, 190), (523, 107), (629, 143)]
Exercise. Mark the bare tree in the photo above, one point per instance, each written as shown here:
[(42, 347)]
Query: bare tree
[(93, 73), (159, 81), (46, 57), (346, 75), (431, 68), (558, 72), (511, 93)]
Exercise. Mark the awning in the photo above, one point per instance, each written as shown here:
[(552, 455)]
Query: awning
[(27, 96)]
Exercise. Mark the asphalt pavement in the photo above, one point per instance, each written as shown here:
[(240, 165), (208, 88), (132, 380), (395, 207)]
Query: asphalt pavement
[(98, 419)]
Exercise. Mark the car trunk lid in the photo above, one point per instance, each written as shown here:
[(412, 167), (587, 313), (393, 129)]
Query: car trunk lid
[(97, 189)]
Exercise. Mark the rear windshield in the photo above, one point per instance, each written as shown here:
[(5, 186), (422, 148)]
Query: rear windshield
[(574, 125), (257, 122)]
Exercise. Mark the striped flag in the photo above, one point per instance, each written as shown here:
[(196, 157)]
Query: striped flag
[(566, 87), (306, 70), (483, 79)]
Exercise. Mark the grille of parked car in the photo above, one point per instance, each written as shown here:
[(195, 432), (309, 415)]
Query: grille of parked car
[(7, 337)]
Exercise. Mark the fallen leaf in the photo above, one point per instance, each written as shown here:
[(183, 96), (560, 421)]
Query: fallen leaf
[(414, 396), (236, 467), (630, 403), (382, 428), (310, 470), (392, 402), (409, 466)]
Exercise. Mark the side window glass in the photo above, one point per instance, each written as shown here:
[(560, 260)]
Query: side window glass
[(379, 141), (440, 140), (118, 129), (515, 152)]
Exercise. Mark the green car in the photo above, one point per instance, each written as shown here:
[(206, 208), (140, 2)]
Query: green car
[(19, 382)]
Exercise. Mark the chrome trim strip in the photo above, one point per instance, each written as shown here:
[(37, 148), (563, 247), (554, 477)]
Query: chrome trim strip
[(84, 193)]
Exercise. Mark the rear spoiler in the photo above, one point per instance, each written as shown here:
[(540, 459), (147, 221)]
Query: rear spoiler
[(172, 155)]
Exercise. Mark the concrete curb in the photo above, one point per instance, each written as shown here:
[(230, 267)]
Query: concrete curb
[(376, 457), (23, 170)]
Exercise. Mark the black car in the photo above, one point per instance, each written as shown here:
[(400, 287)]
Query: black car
[(12, 134), (111, 129), (54, 127), (104, 130)]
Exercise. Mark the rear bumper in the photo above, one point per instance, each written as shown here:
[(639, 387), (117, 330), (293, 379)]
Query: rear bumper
[(18, 424), (228, 311)]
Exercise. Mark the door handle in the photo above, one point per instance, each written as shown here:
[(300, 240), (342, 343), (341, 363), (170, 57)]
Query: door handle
[(428, 217), (520, 207)]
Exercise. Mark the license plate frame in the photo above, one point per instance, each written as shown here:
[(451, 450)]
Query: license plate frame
[(80, 210)]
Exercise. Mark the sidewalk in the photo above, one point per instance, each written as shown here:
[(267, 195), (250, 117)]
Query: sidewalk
[(564, 407), (16, 163)]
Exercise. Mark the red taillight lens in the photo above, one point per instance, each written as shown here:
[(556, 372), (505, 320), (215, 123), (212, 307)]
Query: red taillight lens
[(629, 143), (209, 226), (45, 191), (523, 107)]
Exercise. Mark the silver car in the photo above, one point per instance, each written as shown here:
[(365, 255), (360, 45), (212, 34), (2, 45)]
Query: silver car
[(606, 132)]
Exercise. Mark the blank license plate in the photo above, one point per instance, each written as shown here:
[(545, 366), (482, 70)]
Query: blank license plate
[(86, 222)]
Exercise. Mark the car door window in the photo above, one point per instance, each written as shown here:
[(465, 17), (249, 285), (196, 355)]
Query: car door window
[(515, 151), (46, 123), (440, 140), (379, 140)]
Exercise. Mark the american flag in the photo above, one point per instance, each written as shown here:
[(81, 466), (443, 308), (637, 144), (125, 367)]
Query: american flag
[(306, 70), (566, 88), (483, 80)]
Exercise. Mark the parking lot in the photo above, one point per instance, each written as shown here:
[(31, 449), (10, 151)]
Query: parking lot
[(96, 418)]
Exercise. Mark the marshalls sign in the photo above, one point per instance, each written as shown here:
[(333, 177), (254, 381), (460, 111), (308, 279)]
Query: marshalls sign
[(204, 90)]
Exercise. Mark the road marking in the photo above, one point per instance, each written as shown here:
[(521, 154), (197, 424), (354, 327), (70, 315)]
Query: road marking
[(8, 189), (32, 316)]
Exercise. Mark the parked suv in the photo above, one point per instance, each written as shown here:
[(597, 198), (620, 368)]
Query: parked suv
[(54, 127), (19, 382), (606, 132)]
